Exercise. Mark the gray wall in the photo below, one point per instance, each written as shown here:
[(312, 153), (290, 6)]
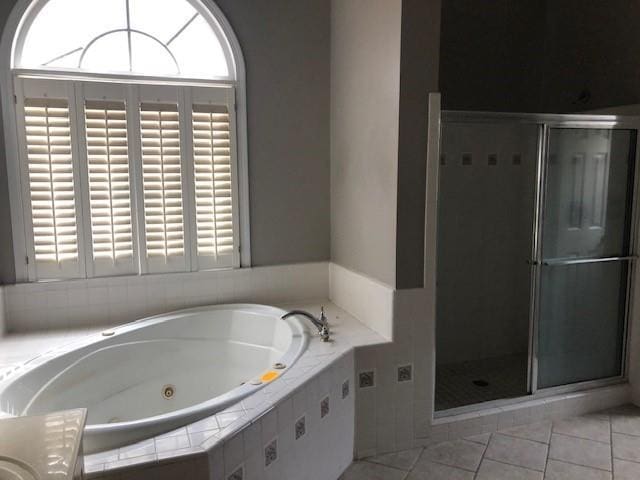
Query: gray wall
[(490, 56), (418, 77), (365, 86), (591, 48), (7, 270), (539, 56), (286, 49)]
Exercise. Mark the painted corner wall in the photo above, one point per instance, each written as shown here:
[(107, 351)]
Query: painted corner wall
[(419, 68), (365, 87), (286, 45), (286, 51), (7, 267)]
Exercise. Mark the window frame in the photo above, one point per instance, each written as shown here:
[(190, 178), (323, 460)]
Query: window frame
[(19, 20)]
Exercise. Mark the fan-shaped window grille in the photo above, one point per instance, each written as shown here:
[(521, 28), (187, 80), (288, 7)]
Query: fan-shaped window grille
[(145, 37)]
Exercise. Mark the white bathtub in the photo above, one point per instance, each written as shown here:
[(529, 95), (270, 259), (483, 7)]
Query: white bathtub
[(160, 373)]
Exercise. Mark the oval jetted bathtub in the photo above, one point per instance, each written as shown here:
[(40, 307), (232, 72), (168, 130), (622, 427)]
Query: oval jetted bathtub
[(160, 373)]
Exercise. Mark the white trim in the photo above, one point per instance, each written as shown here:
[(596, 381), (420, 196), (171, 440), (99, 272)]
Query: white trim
[(18, 20), (241, 129)]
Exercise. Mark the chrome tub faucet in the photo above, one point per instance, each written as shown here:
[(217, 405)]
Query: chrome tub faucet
[(320, 323)]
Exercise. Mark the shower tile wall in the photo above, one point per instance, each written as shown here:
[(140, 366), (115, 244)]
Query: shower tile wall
[(487, 180)]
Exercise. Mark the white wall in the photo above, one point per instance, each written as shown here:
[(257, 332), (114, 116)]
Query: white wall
[(365, 89), (3, 312)]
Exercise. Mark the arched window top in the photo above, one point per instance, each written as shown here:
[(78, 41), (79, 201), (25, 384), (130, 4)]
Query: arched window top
[(137, 37)]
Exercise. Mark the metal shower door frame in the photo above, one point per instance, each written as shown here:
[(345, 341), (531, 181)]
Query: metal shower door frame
[(545, 123)]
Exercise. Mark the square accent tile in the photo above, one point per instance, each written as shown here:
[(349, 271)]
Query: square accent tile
[(405, 373), (238, 474), (324, 407), (345, 389), (492, 159), (467, 159), (301, 427), (367, 379), (517, 159), (271, 452)]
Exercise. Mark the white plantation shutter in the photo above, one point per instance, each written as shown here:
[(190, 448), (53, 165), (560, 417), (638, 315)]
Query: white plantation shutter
[(121, 179), (213, 182), (162, 185), (50, 180), (50, 164), (108, 178)]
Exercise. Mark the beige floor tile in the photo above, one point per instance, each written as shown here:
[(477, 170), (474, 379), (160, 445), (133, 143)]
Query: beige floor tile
[(372, 471), (538, 432), (580, 451), (482, 439), (590, 427), (517, 451), (624, 470), (459, 453), (557, 470), (626, 447), (437, 471), (404, 460), (626, 422), (490, 470)]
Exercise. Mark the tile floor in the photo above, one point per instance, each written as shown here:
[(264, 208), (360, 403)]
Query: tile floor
[(604, 445), (505, 377)]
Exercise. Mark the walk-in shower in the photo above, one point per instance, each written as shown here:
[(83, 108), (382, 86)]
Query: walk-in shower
[(534, 247)]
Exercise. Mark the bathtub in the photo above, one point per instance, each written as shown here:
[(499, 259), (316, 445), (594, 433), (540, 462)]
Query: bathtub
[(159, 373)]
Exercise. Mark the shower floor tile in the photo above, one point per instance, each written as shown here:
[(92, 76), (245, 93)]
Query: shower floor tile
[(472, 382)]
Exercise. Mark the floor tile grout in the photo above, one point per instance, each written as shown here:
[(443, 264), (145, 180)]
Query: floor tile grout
[(548, 457), (579, 438)]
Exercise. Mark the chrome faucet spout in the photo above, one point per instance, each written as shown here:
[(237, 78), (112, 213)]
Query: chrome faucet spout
[(320, 323)]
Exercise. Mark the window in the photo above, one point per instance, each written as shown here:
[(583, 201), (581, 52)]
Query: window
[(127, 139)]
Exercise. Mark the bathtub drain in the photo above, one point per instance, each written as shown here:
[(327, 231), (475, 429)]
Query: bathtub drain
[(168, 391)]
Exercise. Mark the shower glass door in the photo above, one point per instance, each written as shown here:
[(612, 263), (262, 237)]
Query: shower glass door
[(585, 255)]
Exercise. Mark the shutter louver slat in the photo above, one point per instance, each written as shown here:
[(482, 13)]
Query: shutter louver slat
[(162, 180), (51, 182), (108, 171), (212, 178)]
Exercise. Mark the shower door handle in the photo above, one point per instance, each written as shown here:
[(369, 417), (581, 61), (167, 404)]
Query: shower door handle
[(580, 261)]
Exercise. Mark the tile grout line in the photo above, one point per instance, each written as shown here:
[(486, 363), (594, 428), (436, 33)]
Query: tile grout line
[(581, 438), (611, 440), (475, 474)]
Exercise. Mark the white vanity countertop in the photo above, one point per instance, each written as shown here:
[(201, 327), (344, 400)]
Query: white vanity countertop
[(43, 447)]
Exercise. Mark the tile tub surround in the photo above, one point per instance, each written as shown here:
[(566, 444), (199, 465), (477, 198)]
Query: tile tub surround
[(218, 446), (601, 446), (116, 300)]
